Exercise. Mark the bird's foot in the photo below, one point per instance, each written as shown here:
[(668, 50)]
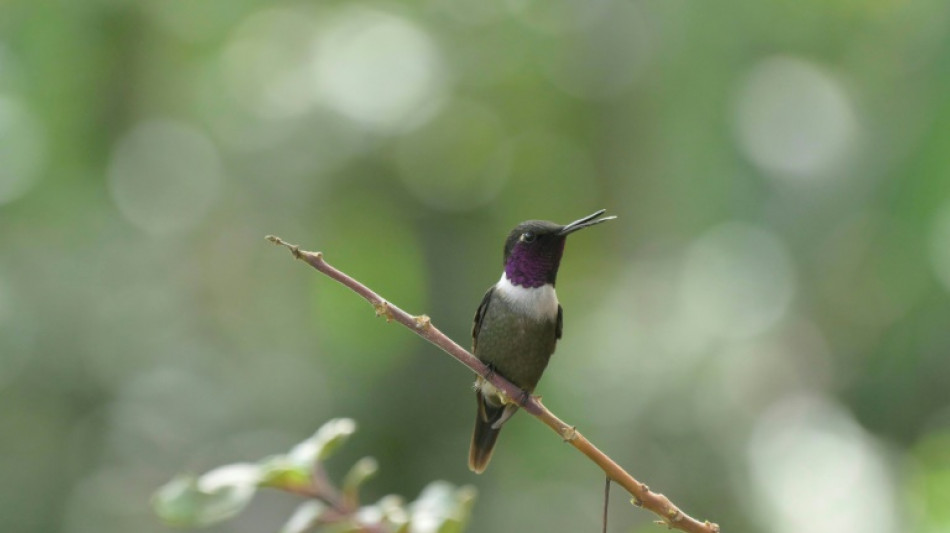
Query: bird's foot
[(510, 409), (491, 371), (524, 398)]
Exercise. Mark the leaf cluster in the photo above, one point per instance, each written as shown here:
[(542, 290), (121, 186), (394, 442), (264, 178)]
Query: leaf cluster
[(220, 494)]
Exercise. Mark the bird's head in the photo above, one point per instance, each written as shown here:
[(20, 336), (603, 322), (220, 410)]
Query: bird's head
[(533, 249)]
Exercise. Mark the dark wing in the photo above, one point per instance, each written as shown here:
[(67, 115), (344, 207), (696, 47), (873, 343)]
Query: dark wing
[(560, 322), (480, 314)]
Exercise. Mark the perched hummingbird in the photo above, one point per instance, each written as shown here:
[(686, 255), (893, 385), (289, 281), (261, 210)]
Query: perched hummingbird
[(518, 324)]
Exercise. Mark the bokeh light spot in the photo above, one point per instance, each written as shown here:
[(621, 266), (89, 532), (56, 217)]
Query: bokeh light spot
[(737, 281), (267, 63), (746, 374), (793, 119), (427, 159), (164, 176), (378, 69), (808, 458), (22, 149)]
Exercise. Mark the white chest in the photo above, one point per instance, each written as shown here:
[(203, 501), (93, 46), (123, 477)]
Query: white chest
[(537, 303)]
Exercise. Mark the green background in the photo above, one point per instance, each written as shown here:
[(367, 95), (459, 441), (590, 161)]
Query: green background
[(762, 335)]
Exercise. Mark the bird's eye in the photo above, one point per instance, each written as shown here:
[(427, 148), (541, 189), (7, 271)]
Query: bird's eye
[(528, 236)]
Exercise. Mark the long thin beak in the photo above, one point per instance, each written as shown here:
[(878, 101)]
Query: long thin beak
[(586, 222)]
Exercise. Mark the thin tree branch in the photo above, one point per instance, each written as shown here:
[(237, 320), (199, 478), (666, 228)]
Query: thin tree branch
[(421, 325)]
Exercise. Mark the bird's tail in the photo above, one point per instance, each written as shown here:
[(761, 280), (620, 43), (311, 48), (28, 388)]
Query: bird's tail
[(488, 423)]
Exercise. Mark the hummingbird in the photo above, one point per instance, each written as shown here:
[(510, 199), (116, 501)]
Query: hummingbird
[(518, 323)]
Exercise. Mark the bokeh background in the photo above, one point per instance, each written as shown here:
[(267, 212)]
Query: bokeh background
[(762, 335)]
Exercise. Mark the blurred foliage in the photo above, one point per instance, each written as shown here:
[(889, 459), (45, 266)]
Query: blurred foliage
[(762, 335), (222, 493)]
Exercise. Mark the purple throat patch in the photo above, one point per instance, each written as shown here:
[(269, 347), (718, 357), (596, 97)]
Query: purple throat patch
[(531, 268)]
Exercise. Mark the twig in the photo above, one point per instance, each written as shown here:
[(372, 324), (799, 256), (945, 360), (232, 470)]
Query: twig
[(322, 490), (670, 514), (606, 501)]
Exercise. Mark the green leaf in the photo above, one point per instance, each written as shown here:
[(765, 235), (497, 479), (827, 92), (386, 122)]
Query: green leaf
[(442, 507), (304, 517), (323, 443), (930, 480), (392, 508), (186, 501), (280, 472), (362, 470)]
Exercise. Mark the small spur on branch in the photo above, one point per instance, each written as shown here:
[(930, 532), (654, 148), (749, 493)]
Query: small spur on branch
[(421, 325)]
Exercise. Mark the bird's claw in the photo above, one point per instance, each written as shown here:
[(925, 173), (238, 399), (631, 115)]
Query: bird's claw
[(490, 373), (525, 398)]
